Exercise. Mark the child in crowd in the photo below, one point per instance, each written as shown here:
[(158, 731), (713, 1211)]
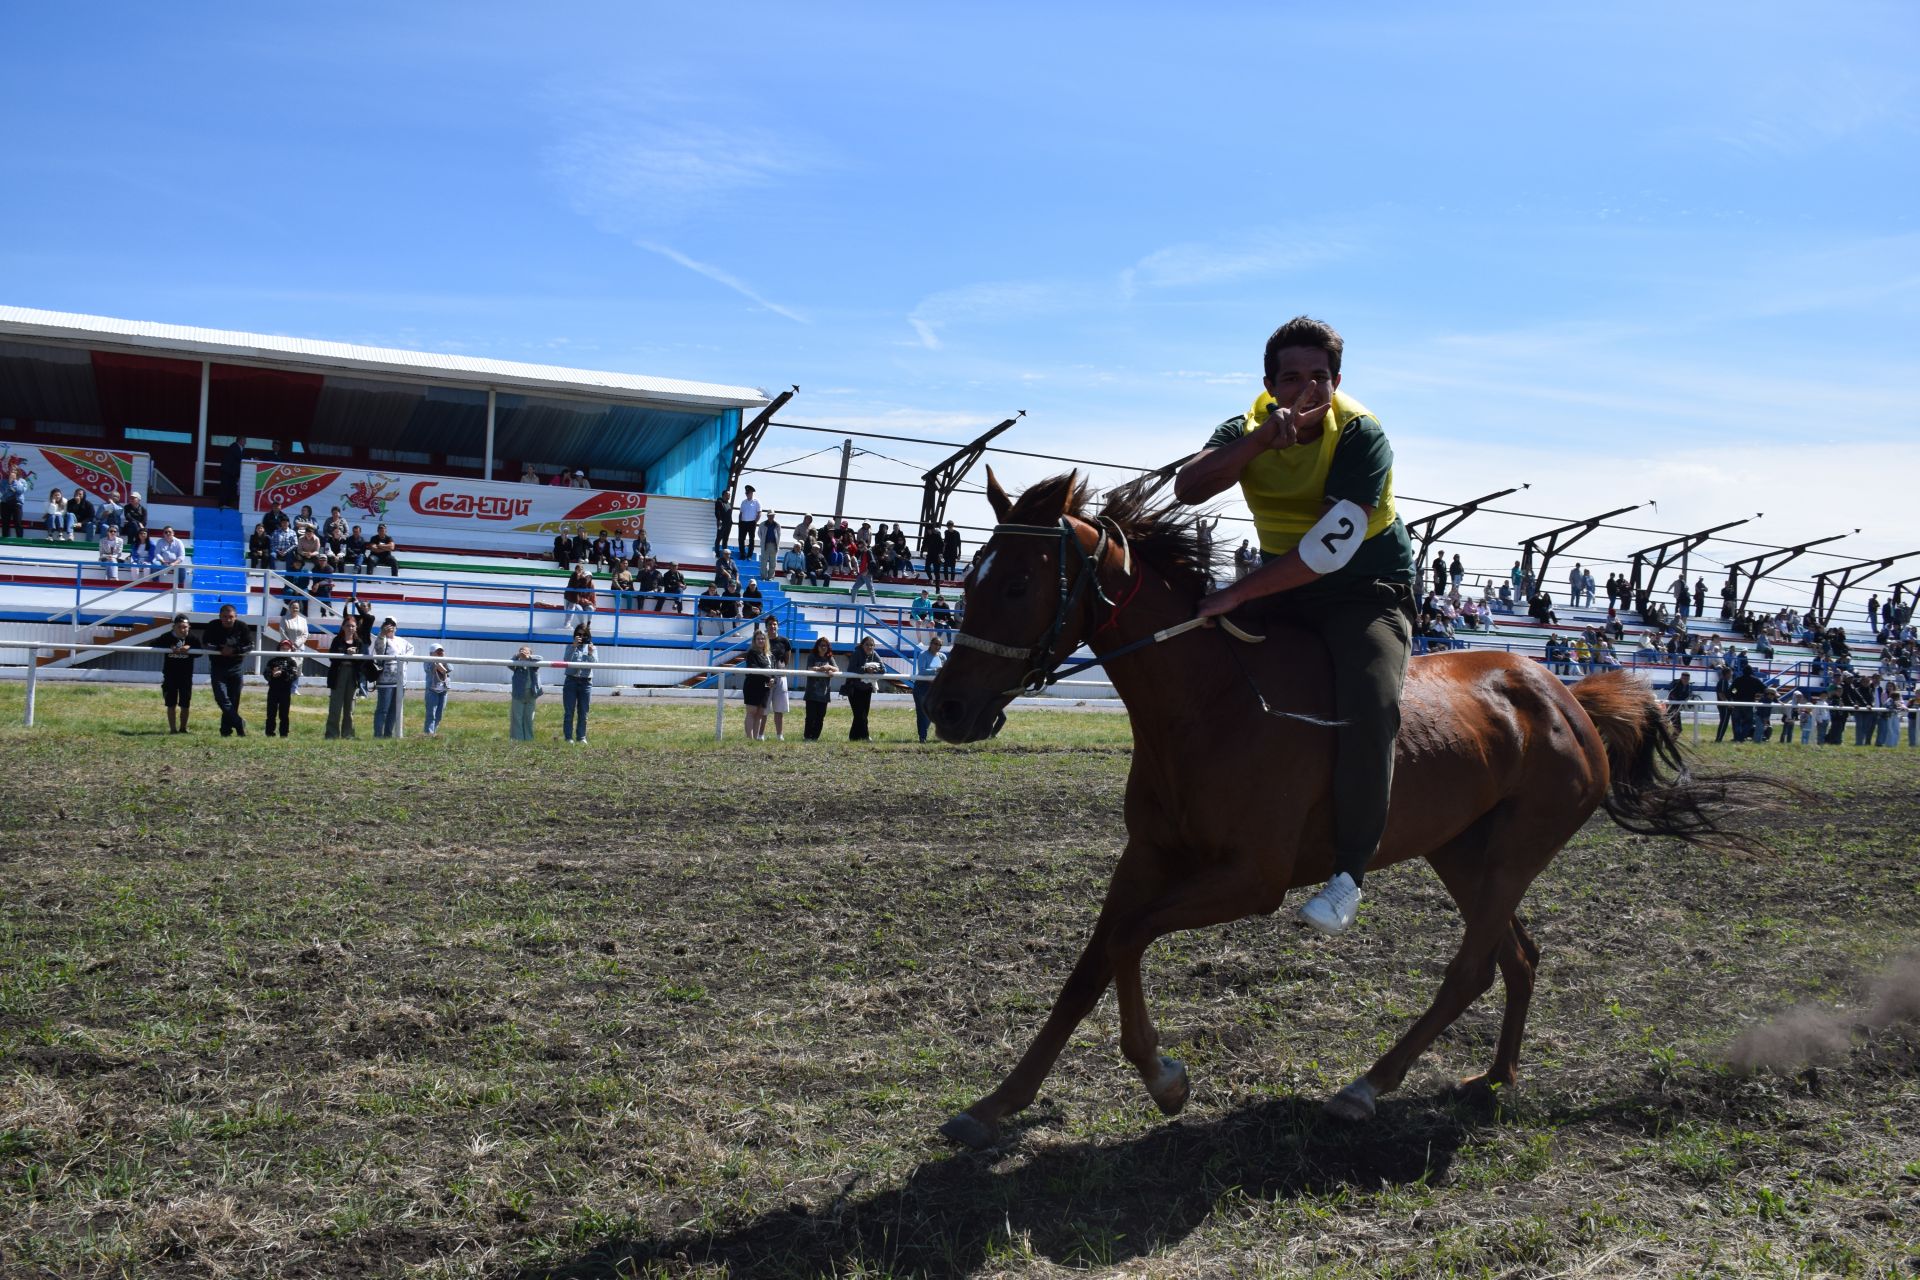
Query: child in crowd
[(283, 681)]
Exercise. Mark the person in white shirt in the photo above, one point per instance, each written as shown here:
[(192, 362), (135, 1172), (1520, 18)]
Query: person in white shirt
[(59, 523), (749, 517)]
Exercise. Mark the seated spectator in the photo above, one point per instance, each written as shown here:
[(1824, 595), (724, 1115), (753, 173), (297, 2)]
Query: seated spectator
[(622, 586), (708, 607), (380, 551), (600, 553), (578, 481), (59, 522), (819, 572), (80, 516), (168, 550), (578, 548), (1541, 610), (113, 550), (334, 531), (943, 616), (107, 515), (646, 579), (793, 563), (281, 543), (528, 475), (260, 548), (750, 599), (672, 584), (578, 598), (306, 548), (617, 549), (355, 552), (563, 550), (642, 547), (133, 518)]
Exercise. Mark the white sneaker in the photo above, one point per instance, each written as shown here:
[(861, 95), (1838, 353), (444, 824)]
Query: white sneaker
[(1332, 909)]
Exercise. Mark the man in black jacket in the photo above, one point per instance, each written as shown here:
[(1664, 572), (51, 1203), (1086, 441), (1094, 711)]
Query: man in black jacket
[(231, 641), (951, 550)]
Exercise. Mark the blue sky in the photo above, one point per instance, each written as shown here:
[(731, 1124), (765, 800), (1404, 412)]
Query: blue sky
[(1621, 252)]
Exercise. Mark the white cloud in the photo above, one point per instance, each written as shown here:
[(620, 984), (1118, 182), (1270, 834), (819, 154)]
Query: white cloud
[(993, 303), (719, 276), (1261, 253)]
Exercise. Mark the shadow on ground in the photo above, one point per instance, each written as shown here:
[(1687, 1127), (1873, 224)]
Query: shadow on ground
[(1083, 1205)]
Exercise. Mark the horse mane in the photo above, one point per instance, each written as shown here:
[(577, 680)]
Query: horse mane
[(1166, 537)]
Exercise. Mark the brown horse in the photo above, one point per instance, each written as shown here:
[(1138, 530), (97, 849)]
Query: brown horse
[(1498, 764)]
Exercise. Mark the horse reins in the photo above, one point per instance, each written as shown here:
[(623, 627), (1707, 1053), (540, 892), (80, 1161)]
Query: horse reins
[(1042, 673)]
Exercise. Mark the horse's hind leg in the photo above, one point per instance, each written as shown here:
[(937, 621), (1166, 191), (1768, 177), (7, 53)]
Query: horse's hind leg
[(1519, 958), (1487, 888)]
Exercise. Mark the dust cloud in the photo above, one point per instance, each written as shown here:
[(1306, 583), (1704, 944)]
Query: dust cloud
[(1811, 1036)]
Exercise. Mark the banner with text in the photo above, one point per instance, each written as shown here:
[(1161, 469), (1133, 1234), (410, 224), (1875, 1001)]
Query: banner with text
[(114, 473), (443, 511)]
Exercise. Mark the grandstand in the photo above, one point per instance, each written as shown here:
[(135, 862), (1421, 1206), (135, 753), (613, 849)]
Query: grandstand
[(218, 428)]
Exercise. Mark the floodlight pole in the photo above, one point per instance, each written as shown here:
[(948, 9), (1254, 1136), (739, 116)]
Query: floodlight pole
[(1769, 562), (1664, 554), (1551, 544), (749, 439), (1428, 529), (1842, 578), (945, 477)]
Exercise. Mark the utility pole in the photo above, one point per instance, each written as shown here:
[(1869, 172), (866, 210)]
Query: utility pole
[(846, 460)]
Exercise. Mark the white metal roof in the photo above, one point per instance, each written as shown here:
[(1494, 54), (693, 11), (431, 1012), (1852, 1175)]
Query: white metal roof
[(344, 357)]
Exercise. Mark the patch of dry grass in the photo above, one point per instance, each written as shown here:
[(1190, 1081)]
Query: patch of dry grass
[(470, 1008)]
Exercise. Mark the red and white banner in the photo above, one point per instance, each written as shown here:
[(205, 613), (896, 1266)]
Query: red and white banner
[(441, 511), (114, 473)]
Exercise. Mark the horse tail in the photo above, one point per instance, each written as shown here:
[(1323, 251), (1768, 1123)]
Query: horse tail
[(1653, 791)]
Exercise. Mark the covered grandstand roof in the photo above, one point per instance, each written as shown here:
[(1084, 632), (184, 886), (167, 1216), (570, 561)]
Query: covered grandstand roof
[(345, 357)]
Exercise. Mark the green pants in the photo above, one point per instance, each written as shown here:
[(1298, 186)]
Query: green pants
[(1368, 630)]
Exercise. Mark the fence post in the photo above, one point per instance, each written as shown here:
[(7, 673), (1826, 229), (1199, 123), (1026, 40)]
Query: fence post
[(1695, 708), (33, 678), (719, 706)]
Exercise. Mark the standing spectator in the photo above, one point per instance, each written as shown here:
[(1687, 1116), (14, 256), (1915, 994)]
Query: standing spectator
[(58, 526), (1439, 574), (863, 574), (749, 522), (755, 689), (928, 664), (380, 551), (343, 676), (769, 543), (1679, 597), (858, 688), (13, 501), (1699, 597), (1245, 560), (821, 670), (1678, 693), (283, 677), (722, 522), (231, 640), (576, 688), (113, 549), (526, 692), (951, 553), (176, 672), (438, 673), (781, 650), (390, 698), (1456, 570)]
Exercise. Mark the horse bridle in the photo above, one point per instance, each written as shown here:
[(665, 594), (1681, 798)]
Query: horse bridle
[(1042, 664)]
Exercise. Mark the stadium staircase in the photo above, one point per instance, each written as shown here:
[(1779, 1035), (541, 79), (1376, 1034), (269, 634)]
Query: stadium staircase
[(219, 538)]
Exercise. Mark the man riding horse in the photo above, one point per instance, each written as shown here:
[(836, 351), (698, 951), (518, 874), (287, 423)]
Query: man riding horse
[(1316, 470)]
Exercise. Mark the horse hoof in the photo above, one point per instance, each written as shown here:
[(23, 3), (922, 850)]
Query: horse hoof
[(969, 1132), (1353, 1103), (1169, 1089)]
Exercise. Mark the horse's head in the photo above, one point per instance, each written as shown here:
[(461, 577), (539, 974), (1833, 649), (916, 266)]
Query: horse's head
[(1029, 602)]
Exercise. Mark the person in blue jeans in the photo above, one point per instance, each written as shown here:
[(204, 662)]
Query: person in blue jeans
[(928, 665), (436, 698), (576, 691), (390, 685)]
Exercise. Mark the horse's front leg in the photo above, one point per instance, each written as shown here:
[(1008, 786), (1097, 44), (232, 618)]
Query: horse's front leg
[(979, 1124), (1217, 895)]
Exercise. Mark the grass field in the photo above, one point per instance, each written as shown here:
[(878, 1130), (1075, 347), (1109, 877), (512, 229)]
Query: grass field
[(665, 1007)]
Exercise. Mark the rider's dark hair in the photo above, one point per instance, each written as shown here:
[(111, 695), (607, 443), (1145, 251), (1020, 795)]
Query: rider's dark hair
[(1304, 331)]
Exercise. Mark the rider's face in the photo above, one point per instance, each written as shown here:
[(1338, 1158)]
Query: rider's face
[(1303, 370)]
